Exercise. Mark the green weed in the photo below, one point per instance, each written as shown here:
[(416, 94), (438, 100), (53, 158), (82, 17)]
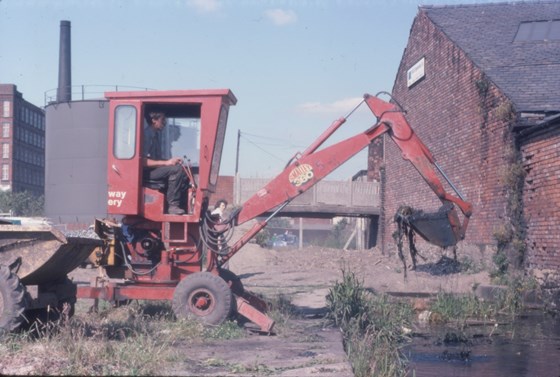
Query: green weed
[(281, 310), (137, 339), (372, 326), (457, 309)]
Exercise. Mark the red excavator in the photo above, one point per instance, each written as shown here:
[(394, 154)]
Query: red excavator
[(147, 254)]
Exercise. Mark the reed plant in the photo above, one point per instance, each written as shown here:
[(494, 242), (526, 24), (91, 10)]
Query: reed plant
[(374, 327)]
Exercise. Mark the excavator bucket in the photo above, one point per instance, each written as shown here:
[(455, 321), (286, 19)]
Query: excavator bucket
[(439, 228), (41, 254)]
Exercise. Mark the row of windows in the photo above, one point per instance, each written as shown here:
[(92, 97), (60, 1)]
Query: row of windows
[(26, 115), (32, 118), (29, 157), (22, 176), (24, 155), (27, 176), (29, 137)]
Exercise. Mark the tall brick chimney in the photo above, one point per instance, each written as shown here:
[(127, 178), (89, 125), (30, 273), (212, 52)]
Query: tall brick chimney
[(64, 90)]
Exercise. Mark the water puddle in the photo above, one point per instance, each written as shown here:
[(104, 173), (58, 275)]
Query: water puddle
[(529, 346)]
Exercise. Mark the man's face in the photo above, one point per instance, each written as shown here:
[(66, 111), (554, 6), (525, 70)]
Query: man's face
[(159, 123)]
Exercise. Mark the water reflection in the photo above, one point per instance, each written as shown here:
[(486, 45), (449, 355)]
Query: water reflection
[(530, 346)]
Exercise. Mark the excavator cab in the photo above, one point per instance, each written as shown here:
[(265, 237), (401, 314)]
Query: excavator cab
[(195, 131)]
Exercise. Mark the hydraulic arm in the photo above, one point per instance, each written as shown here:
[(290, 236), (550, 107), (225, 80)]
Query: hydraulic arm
[(312, 165)]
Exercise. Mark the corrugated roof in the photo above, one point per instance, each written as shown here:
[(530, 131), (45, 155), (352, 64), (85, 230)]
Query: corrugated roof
[(528, 72)]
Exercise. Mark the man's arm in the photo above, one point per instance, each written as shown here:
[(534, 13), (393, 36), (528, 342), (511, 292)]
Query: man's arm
[(149, 163)]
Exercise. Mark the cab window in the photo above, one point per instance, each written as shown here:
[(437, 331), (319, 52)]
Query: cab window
[(181, 135), (124, 132)]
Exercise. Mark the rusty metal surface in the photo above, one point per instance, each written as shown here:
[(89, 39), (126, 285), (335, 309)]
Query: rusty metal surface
[(42, 253)]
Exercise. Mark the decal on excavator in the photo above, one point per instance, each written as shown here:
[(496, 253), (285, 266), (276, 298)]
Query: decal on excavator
[(301, 174), (115, 198)]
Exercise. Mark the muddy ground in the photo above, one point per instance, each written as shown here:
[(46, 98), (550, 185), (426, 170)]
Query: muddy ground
[(305, 346)]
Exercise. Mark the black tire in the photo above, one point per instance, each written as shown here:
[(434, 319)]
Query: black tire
[(12, 301), (203, 296)]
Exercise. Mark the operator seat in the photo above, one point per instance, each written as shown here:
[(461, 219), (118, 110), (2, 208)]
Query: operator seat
[(158, 185)]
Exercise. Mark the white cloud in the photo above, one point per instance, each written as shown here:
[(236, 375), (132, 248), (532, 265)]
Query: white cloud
[(204, 6), (280, 16), (342, 106)]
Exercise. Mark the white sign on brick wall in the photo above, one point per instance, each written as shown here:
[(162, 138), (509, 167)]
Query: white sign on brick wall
[(415, 73)]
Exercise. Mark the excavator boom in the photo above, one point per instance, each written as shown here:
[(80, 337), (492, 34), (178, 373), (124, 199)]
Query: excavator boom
[(313, 165)]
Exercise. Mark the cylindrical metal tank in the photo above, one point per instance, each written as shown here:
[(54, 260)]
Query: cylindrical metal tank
[(76, 161)]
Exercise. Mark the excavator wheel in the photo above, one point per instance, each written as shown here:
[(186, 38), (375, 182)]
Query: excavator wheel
[(12, 301), (203, 296)]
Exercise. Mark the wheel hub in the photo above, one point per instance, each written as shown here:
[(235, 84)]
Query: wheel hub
[(202, 302)]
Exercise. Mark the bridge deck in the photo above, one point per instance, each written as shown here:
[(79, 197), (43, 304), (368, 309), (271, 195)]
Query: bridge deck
[(324, 200)]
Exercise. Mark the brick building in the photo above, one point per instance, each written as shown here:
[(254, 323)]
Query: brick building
[(224, 190), (22, 143), (480, 87)]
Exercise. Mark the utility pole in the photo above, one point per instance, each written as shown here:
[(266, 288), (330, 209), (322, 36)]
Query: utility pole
[(237, 153)]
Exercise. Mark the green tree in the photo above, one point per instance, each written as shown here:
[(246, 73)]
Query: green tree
[(21, 203)]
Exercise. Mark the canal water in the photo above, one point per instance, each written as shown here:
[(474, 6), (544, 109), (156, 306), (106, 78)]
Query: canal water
[(528, 346)]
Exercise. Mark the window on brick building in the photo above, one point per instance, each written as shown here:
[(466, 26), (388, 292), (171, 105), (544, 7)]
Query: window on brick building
[(6, 129), (538, 31), (5, 172), (6, 109), (5, 150)]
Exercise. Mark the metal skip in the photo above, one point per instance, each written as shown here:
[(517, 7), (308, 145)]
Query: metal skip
[(39, 254)]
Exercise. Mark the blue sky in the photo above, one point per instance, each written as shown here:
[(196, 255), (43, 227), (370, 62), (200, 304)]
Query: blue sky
[(295, 66)]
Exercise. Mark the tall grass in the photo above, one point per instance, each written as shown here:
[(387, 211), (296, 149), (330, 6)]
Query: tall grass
[(457, 309), (373, 327), (134, 340), (451, 308)]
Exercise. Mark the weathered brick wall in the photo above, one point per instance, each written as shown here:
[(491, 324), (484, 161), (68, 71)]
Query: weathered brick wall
[(463, 119), (224, 190), (541, 161)]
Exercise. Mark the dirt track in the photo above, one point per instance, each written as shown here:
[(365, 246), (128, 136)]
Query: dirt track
[(306, 347), (305, 276)]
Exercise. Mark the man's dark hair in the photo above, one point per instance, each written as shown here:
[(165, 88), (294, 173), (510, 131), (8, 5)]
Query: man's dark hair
[(220, 202), (154, 115)]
